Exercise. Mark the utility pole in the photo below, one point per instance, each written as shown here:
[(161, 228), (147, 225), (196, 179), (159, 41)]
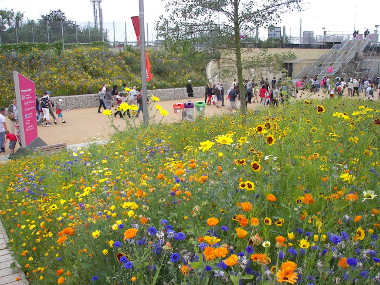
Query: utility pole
[(143, 64)]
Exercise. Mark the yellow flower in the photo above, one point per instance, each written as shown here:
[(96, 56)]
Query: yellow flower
[(155, 98), (96, 234), (105, 251), (347, 177), (304, 243), (124, 106), (223, 139), (291, 236), (353, 139), (164, 113), (211, 240), (158, 107), (107, 112), (134, 107), (206, 145)]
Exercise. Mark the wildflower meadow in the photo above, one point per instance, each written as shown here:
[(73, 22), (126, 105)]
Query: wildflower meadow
[(285, 195)]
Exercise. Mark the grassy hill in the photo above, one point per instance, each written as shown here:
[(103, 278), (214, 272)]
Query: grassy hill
[(83, 70)]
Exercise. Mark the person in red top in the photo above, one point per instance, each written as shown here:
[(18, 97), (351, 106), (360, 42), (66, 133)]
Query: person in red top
[(262, 93), (12, 141)]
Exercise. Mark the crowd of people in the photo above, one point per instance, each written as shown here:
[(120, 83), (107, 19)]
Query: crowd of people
[(113, 98), (264, 92), (355, 86)]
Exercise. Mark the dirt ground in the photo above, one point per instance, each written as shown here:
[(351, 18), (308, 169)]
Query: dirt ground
[(87, 125)]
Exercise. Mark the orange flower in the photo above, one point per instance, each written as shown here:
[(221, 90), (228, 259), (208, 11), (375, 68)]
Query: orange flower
[(60, 271), (220, 252), (212, 221), (375, 212), (160, 176), (343, 263), (358, 218), (184, 269), (288, 277), (261, 258), (61, 280), (288, 266), (209, 253), (308, 199), (231, 260), (62, 239), (246, 206), (352, 197), (130, 233), (67, 231), (241, 233), (271, 198), (255, 222), (280, 240)]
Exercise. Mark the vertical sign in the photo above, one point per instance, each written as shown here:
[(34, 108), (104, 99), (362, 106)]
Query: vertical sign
[(148, 67), (26, 105)]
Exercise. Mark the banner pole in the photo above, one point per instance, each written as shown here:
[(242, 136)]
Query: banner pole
[(143, 64)]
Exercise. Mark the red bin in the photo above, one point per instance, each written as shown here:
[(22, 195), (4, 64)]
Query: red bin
[(178, 107)]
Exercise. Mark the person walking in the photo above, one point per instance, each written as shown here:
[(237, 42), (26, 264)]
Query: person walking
[(108, 99), (59, 109), (51, 106), (3, 128), (12, 142), (13, 115), (189, 89), (101, 95), (45, 108)]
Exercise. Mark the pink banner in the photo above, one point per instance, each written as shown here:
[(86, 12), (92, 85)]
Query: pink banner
[(299, 84), (329, 69), (26, 102)]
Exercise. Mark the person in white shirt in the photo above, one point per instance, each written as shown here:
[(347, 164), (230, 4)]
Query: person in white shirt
[(133, 96), (3, 128), (350, 88), (356, 86)]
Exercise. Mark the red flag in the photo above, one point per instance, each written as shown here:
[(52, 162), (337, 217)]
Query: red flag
[(148, 67)]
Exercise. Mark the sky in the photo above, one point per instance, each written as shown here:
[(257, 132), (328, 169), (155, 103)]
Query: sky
[(332, 16)]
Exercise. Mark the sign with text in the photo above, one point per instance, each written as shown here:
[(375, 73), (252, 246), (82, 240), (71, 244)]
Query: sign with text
[(26, 105)]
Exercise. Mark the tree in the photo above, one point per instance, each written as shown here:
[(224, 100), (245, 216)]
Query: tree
[(229, 20)]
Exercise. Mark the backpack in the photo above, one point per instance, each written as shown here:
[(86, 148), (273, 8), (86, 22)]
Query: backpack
[(44, 102)]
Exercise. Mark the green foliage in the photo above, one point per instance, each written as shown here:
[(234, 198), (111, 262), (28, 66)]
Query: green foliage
[(82, 70), (71, 215)]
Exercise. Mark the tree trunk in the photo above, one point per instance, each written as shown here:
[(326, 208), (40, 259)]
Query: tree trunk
[(239, 64)]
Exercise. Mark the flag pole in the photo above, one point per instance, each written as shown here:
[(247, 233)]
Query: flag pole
[(143, 64)]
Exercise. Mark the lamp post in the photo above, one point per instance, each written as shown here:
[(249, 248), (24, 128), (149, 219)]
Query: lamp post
[(143, 64), (324, 34)]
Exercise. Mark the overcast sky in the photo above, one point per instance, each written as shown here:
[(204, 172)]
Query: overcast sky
[(333, 15)]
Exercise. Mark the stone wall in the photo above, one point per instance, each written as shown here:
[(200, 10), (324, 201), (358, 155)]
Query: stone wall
[(91, 100)]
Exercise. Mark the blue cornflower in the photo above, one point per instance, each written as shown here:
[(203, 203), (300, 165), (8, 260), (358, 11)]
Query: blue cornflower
[(128, 265), (152, 231), (123, 259), (179, 236), (170, 233), (121, 226), (324, 251), (281, 255), (352, 261), (175, 257), (202, 245), (364, 274), (292, 251), (249, 250), (335, 239), (222, 265), (345, 276), (299, 230), (117, 244), (371, 252), (374, 237), (358, 251), (344, 235), (248, 270), (376, 259), (224, 228), (94, 278), (208, 268), (169, 227), (158, 250), (240, 254), (309, 234), (141, 241), (302, 251), (164, 222)]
